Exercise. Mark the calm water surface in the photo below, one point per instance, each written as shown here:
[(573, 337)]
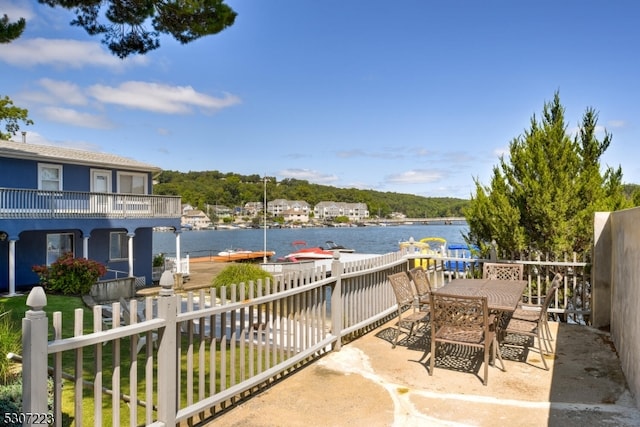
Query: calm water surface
[(371, 240)]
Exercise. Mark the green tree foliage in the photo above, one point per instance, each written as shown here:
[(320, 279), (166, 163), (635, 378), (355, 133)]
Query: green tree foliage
[(544, 196), (12, 115), (10, 31), (124, 26), (232, 190)]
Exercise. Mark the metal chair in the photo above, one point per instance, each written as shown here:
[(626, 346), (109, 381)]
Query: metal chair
[(408, 313), (422, 286), (463, 320), (535, 327), (502, 271)]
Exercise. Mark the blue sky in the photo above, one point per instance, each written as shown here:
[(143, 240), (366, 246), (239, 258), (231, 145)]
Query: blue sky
[(413, 96)]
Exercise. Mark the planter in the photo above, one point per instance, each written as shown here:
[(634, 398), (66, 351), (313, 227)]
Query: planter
[(156, 273)]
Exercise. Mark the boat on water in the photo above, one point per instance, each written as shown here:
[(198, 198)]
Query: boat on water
[(229, 252), (430, 245), (462, 250), (332, 246), (231, 255), (434, 246), (304, 252)]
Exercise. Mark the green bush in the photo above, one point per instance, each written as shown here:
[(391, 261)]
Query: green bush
[(69, 275), (10, 342), (241, 273), (11, 400), (158, 260)]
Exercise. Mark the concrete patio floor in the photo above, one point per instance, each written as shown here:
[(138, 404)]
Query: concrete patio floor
[(367, 383)]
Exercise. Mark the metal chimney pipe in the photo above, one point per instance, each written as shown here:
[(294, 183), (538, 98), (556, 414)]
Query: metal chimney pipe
[(24, 136)]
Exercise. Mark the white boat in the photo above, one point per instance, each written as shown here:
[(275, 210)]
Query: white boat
[(230, 252), (331, 246)]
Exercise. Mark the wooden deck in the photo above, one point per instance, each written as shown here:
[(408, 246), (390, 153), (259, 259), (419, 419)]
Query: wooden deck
[(252, 256)]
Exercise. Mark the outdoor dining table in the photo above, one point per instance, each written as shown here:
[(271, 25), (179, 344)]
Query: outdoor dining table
[(502, 295)]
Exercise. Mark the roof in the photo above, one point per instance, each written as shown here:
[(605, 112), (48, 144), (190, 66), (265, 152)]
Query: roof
[(54, 153)]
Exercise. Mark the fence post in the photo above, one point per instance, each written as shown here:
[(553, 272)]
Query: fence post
[(34, 356), (493, 251), (167, 358), (336, 300)]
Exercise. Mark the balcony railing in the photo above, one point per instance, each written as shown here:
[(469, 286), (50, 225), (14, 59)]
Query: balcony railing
[(22, 203)]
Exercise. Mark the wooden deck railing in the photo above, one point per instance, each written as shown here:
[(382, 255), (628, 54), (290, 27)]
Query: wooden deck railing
[(23, 203), (213, 347)]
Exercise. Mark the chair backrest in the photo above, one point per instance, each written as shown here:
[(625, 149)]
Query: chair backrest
[(470, 313), (420, 280), (502, 271), (125, 310), (402, 288)]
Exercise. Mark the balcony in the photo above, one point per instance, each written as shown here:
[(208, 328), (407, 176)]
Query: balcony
[(34, 204)]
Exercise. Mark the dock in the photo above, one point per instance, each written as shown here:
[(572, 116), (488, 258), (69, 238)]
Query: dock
[(243, 256)]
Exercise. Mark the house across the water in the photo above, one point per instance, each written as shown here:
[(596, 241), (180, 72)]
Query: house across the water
[(96, 205)]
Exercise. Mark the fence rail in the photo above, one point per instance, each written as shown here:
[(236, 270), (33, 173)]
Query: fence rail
[(23, 203), (184, 357)]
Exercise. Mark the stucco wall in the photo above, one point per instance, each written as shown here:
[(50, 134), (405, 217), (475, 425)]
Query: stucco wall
[(625, 293), (601, 271)]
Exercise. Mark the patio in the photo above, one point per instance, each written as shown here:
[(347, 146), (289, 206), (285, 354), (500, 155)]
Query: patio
[(369, 383)]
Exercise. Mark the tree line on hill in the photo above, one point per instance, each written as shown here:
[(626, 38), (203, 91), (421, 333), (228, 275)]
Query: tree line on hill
[(200, 189)]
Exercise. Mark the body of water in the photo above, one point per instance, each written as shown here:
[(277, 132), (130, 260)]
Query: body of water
[(370, 240)]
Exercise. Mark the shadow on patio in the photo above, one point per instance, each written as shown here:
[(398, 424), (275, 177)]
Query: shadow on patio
[(369, 383)]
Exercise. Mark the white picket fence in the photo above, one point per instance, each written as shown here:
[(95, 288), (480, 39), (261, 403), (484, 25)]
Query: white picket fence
[(184, 357)]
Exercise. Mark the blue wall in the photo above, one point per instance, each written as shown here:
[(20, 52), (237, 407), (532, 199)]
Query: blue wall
[(31, 250)]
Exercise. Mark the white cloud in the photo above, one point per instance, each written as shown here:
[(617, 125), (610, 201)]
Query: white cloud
[(17, 10), (76, 118), (617, 123), (62, 92), (160, 98), (308, 175), (416, 176), (63, 53)]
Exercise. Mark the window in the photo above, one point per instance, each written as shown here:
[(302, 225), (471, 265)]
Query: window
[(118, 245), (49, 177), (57, 245), (132, 183), (100, 181)]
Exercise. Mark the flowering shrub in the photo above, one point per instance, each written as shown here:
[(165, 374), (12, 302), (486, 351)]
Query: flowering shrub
[(69, 275)]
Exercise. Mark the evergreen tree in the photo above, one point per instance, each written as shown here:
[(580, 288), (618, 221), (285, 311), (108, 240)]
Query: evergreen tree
[(543, 197), (10, 31)]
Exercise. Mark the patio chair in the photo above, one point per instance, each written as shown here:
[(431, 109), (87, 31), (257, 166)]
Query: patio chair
[(502, 271), (463, 320), (422, 286), (531, 312), (408, 313), (126, 316), (534, 327)]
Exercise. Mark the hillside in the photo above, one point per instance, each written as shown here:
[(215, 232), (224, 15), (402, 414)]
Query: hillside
[(230, 189)]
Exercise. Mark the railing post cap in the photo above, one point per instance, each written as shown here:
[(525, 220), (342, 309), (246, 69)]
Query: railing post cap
[(37, 299), (166, 283)]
